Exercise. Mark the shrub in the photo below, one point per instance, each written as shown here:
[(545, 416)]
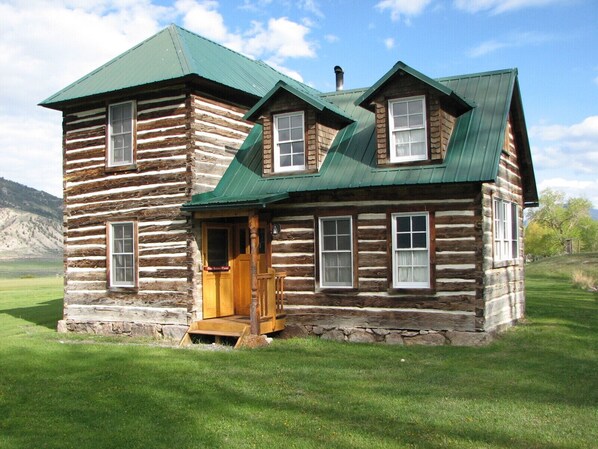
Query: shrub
[(584, 281)]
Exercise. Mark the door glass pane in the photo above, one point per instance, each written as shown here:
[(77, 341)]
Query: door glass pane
[(217, 247)]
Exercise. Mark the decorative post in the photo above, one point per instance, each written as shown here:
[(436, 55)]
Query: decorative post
[(254, 319)]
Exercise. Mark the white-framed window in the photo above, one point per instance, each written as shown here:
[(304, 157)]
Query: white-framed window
[(289, 142), (411, 250), (506, 230), (123, 271), (408, 133), (336, 252), (120, 133)]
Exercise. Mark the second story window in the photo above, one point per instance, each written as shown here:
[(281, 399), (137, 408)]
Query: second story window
[(408, 136), (120, 134), (289, 142)]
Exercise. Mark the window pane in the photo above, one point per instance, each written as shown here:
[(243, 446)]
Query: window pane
[(419, 223), (419, 240), (420, 258), (403, 224), (284, 135), (297, 120), (399, 108), (344, 242), (416, 120), (418, 149), (405, 258), (330, 243), (329, 227), (285, 161), (298, 160), (403, 241), (420, 274), (297, 134), (297, 148), (344, 275), (217, 247), (401, 121), (343, 226), (283, 122), (418, 135), (416, 106), (404, 274)]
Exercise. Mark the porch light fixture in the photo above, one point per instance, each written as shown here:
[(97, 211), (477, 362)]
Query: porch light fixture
[(275, 229)]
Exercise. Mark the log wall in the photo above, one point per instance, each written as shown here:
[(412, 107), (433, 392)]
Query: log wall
[(504, 293), (453, 303), (184, 142)]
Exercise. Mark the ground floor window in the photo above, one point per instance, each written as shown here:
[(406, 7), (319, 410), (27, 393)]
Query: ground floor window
[(336, 252), (506, 230), (122, 254), (411, 250)]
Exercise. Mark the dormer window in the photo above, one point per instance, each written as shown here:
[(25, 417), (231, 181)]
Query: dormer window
[(408, 133), (289, 142)]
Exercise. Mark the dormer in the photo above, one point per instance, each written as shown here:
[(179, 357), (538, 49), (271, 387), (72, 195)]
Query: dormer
[(415, 116), (298, 129)]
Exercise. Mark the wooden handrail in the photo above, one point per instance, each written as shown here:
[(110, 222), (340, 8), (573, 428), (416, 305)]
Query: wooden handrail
[(270, 293)]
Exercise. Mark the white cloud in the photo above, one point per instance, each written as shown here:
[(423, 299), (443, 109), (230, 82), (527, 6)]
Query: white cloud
[(572, 188), (332, 38), (402, 8), (389, 43), (513, 40), (39, 56), (501, 6), (566, 156)]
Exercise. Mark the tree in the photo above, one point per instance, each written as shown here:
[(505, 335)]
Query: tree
[(557, 220)]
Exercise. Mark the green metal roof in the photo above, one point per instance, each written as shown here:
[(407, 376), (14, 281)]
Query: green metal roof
[(400, 66), (310, 98), (473, 154), (171, 54)]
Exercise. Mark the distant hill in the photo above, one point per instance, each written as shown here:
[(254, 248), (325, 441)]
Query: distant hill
[(18, 196), (30, 222), (594, 213)]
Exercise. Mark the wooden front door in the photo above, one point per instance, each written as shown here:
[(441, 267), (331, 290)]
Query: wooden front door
[(218, 270)]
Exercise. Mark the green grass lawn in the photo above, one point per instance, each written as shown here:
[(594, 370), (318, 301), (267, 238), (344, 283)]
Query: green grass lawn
[(537, 387)]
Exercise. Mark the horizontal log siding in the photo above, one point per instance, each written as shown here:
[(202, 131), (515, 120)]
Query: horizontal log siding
[(218, 131), (457, 296), (150, 194), (504, 295)]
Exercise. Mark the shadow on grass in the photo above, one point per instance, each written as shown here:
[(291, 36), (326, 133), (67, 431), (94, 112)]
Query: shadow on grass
[(44, 314)]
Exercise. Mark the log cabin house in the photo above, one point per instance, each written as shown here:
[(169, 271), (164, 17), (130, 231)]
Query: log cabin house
[(207, 193)]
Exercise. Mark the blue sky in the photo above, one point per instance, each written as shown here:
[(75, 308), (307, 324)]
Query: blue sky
[(45, 45)]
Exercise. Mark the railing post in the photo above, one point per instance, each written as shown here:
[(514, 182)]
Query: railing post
[(254, 313)]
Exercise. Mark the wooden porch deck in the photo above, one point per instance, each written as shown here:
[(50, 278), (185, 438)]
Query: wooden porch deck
[(272, 318)]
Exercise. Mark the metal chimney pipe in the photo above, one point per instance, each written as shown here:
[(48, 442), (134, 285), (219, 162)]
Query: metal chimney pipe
[(340, 77)]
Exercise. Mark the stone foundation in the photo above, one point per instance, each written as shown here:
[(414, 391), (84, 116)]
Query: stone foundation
[(389, 336), (173, 332)]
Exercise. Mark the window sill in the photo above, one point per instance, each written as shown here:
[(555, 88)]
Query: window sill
[(412, 291), (129, 290), (290, 173), (337, 290), (507, 263), (120, 168), (421, 162)]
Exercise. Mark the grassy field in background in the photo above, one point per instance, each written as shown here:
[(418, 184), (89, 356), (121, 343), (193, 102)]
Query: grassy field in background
[(536, 387), (30, 268)]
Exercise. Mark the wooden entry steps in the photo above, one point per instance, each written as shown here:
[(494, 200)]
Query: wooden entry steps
[(231, 326)]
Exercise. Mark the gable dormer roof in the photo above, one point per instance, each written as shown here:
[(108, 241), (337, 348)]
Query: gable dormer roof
[(400, 68), (473, 154), (316, 101), (173, 54)]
